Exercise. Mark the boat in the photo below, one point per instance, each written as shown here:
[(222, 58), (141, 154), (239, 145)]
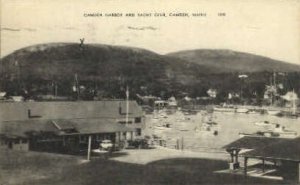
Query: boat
[(293, 113), (208, 126), (163, 127), (189, 112), (163, 116), (282, 131), (263, 123), (183, 129), (273, 91), (224, 109), (278, 131), (253, 111), (242, 110), (259, 134), (274, 112)]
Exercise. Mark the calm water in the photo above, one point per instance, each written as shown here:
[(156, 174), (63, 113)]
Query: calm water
[(230, 125)]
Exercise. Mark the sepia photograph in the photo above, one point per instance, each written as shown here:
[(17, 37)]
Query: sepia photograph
[(155, 92)]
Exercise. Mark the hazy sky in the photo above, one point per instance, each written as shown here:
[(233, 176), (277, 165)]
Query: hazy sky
[(265, 27)]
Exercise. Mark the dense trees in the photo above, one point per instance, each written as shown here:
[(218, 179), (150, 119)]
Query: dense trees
[(104, 72)]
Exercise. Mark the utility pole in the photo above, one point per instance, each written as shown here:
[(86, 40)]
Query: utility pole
[(89, 148)]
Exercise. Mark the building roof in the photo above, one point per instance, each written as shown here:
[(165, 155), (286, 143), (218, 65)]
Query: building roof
[(89, 126), (285, 150), (61, 127), (22, 128), (12, 111), (63, 124), (248, 142)]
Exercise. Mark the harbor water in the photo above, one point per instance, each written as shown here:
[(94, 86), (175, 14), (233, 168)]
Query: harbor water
[(183, 129)]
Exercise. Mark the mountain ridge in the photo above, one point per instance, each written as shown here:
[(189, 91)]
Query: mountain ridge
[(107, 68), (234, 60)]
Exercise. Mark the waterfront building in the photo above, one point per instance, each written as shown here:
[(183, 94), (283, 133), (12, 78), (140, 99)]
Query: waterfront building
[(266, 157), (66, 126)]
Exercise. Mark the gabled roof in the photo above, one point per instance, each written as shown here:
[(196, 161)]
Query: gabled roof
[(23, 128), (285, 150), (90, 126), (249, 142), (60, 127), (68, 110)]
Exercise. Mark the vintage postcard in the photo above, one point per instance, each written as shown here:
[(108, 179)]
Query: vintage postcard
[(149, 92)]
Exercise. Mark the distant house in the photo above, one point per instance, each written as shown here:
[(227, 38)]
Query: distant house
[(290, 96), (172, 102), (65, 126), (159, 104), (212, 93), (2, 95), (17, 98)]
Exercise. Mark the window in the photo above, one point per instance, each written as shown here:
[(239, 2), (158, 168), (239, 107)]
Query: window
[(124, 122), (138, 132), (24, 141), (138, 120)]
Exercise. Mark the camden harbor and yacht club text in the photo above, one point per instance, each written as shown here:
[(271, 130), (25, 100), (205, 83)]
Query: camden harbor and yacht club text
[(153, 14)]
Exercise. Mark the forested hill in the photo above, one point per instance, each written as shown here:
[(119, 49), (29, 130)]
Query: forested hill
[(106, 70), (107, 67), (232, 61)]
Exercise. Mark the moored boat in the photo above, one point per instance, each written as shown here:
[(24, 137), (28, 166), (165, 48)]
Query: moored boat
[(163, 127), (224, 109), (274, 112), (208, 125), (242, 110), (263, 123), (277, 131)]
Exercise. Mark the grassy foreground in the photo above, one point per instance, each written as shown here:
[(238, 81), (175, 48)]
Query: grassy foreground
[(43, 168)]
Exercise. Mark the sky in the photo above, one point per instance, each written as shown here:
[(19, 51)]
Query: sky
[(269, 28)]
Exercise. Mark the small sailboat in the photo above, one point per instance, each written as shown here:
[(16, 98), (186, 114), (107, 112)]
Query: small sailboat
[(272, 110), (294, 108), (208, 126)]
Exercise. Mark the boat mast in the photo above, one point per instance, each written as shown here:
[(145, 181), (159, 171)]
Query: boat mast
[(127, 104), (274, 89), (294, 103), (77, 86)]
